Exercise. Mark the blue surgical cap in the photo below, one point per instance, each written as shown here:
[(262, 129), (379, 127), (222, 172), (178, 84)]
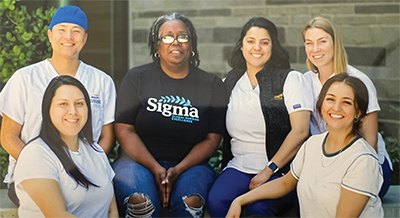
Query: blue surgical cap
[(69, 14)]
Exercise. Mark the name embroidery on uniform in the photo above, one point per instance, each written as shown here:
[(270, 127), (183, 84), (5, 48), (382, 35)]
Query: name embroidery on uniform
[(178, 108), (95, 99)]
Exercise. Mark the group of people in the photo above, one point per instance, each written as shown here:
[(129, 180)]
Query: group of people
[(61, 117)]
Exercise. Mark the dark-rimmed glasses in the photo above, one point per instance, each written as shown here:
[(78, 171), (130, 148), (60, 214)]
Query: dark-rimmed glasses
[(170, 39)]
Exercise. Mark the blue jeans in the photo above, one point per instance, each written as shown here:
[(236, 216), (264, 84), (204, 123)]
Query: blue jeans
[(232, 183), (132, 177)]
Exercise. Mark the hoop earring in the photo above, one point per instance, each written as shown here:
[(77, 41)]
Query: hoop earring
[(193, 54), (156, 55), (356, 119)]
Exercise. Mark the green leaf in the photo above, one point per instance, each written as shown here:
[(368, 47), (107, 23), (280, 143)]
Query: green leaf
[(21, 56), (16, 50), (29, 53), (28, 44), (8, 36), (1, 62), (26, 36)]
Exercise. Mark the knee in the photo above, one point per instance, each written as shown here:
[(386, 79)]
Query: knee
[(194, 205), (139, 205), (194, 201)]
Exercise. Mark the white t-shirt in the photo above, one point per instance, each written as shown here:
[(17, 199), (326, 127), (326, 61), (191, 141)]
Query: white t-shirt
[(246, 124), (320, 177), (21, 99), (318, 124), (37, 160)]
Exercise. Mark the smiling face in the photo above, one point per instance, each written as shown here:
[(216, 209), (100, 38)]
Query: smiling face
[(338, 107), (257, 48), (176, 53), (67, 40), (68, 111), (319, 48)]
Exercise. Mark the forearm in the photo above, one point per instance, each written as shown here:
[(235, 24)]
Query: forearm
[(107, 138), (200, 152), (296, 137), (12, 145), (10, 137), (271, 190)]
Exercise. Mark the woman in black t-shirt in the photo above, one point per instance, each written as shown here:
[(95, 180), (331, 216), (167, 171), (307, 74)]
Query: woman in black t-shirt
[(169, 120)]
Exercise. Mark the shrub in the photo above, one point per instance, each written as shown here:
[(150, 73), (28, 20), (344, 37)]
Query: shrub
[(23, 41)]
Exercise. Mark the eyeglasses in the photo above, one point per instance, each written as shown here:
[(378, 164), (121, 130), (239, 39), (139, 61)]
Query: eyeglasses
[(170, 39)]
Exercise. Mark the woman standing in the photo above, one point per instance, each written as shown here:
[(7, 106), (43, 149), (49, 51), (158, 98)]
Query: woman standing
[(62, 172), (337, 173), (326, 57), (169, 121), (267, 120)]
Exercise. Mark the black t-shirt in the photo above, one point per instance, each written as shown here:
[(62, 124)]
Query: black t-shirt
[(171, 115)]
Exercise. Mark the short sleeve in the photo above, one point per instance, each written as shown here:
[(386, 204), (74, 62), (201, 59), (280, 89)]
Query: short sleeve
[(13, 98), (297, 93), (108, 169), (128, 102), (110, 100), (373, 104), (364, 176), (35, 161), (296, 167), (219, 106)]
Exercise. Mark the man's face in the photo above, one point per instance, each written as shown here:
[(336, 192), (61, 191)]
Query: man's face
[(67, 40)]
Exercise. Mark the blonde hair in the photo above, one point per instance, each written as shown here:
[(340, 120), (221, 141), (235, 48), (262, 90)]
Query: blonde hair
[(340, 56)]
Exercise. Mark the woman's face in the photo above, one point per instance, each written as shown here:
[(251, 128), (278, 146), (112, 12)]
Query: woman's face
[(176, 53), (257, 48), (338, 108), (68, 111), (319, 47)]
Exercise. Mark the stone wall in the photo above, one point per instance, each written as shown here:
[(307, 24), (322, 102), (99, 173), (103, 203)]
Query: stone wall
[(370, 31)]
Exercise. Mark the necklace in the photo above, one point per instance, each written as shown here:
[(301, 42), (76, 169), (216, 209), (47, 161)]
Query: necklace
[(329, 158)]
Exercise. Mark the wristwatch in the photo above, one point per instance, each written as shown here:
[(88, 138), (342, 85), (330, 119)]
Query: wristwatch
[(273, 166)]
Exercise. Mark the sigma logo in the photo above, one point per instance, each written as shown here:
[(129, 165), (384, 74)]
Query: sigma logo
[(178, 108)]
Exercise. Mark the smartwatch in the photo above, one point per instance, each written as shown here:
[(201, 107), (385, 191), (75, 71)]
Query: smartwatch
[(273, 166)]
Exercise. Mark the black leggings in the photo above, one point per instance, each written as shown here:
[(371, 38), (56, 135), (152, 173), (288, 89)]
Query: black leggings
[(11, 194)]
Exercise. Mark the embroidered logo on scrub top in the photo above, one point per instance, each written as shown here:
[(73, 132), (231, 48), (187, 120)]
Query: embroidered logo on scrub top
[(296, 106), (95, 100), (278, 97), (178, 108)]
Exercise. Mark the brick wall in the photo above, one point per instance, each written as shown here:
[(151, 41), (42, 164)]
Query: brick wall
[(370, 31)]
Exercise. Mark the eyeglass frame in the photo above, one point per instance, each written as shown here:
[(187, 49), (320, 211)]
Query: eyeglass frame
[(175, 38)]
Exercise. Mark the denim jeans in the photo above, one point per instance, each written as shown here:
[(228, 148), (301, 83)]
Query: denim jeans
[(132, 177)]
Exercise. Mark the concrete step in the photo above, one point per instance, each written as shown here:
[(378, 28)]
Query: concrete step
[(391, 204), (7, 208)]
